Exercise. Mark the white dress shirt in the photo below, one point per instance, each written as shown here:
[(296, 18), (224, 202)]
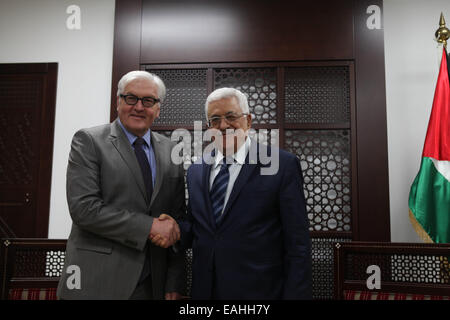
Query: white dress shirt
[(234, 169)]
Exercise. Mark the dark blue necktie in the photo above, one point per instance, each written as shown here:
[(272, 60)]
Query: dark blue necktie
[(219, 190), (147, 175), (145, 166)]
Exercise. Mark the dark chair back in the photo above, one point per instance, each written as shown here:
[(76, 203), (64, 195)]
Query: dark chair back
[(30, 268), (407, 271)]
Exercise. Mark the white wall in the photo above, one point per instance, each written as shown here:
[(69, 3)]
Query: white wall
[(35, 31), (412, 65)]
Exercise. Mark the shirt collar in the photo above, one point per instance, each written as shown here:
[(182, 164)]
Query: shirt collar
[(131, 137), (238, 157)]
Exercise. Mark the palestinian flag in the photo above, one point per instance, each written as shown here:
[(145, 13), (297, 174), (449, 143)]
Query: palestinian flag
[(429, 198)]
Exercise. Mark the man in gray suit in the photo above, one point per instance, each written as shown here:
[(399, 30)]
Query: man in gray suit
[(122, 190)]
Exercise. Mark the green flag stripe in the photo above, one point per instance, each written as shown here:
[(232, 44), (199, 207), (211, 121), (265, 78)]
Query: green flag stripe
[(429, 201)]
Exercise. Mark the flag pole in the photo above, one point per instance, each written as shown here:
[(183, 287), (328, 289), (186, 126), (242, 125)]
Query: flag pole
[(429, 196), (443, 33)]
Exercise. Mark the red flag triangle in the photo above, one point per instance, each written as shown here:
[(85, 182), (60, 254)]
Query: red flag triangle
[(437, 141)]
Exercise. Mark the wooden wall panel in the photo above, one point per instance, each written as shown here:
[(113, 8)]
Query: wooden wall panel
[(181, 31), (373, 179), (175, 32), (127, 44)]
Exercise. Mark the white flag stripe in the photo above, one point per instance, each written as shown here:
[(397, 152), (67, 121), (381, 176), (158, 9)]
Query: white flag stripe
[(443, 167)]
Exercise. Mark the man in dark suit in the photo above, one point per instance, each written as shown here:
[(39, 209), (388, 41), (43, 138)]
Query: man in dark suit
[(119, 180), (248, 229)]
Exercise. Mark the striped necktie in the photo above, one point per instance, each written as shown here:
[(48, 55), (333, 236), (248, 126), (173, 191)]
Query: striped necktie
[(219, 190)]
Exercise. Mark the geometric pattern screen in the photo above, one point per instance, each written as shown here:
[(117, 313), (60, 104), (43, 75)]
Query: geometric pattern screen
[(308, 112), (324, 157), (186, 93), (317, 95), (417, 268), (38, 263), (323, 267), (260, 87)]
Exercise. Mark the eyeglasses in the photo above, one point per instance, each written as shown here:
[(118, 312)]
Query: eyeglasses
[(132, 100), (229, 118)]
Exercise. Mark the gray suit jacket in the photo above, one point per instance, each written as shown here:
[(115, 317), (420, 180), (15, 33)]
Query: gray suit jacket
[(112, 217)]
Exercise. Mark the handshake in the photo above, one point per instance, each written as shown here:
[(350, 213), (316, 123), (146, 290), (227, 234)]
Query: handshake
[(165, 231)]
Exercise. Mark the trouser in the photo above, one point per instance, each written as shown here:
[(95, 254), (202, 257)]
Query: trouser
[(144, 290)]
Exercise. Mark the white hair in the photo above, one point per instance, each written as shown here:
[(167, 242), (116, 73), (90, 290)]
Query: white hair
[(227, 93), (139, 74)]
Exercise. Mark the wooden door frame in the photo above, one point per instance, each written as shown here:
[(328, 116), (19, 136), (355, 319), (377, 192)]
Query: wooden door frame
[(49, 72)]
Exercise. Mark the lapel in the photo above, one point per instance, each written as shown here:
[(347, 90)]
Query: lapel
[(246, 171), (161, 158), (122, 145)]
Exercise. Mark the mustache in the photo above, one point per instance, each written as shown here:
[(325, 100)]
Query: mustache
[(228, 134), (228, 131), (213, 133)]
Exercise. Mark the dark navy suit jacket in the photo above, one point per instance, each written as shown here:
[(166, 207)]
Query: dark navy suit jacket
[(261, 248)]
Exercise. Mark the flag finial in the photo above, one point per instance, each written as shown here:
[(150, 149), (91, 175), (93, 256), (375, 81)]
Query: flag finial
[(443, 33)]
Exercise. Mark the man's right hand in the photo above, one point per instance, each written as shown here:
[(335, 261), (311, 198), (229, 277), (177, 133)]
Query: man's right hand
[(165, 231)]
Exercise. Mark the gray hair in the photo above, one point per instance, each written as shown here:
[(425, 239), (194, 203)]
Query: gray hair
[(227, 93), (139, 74)]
